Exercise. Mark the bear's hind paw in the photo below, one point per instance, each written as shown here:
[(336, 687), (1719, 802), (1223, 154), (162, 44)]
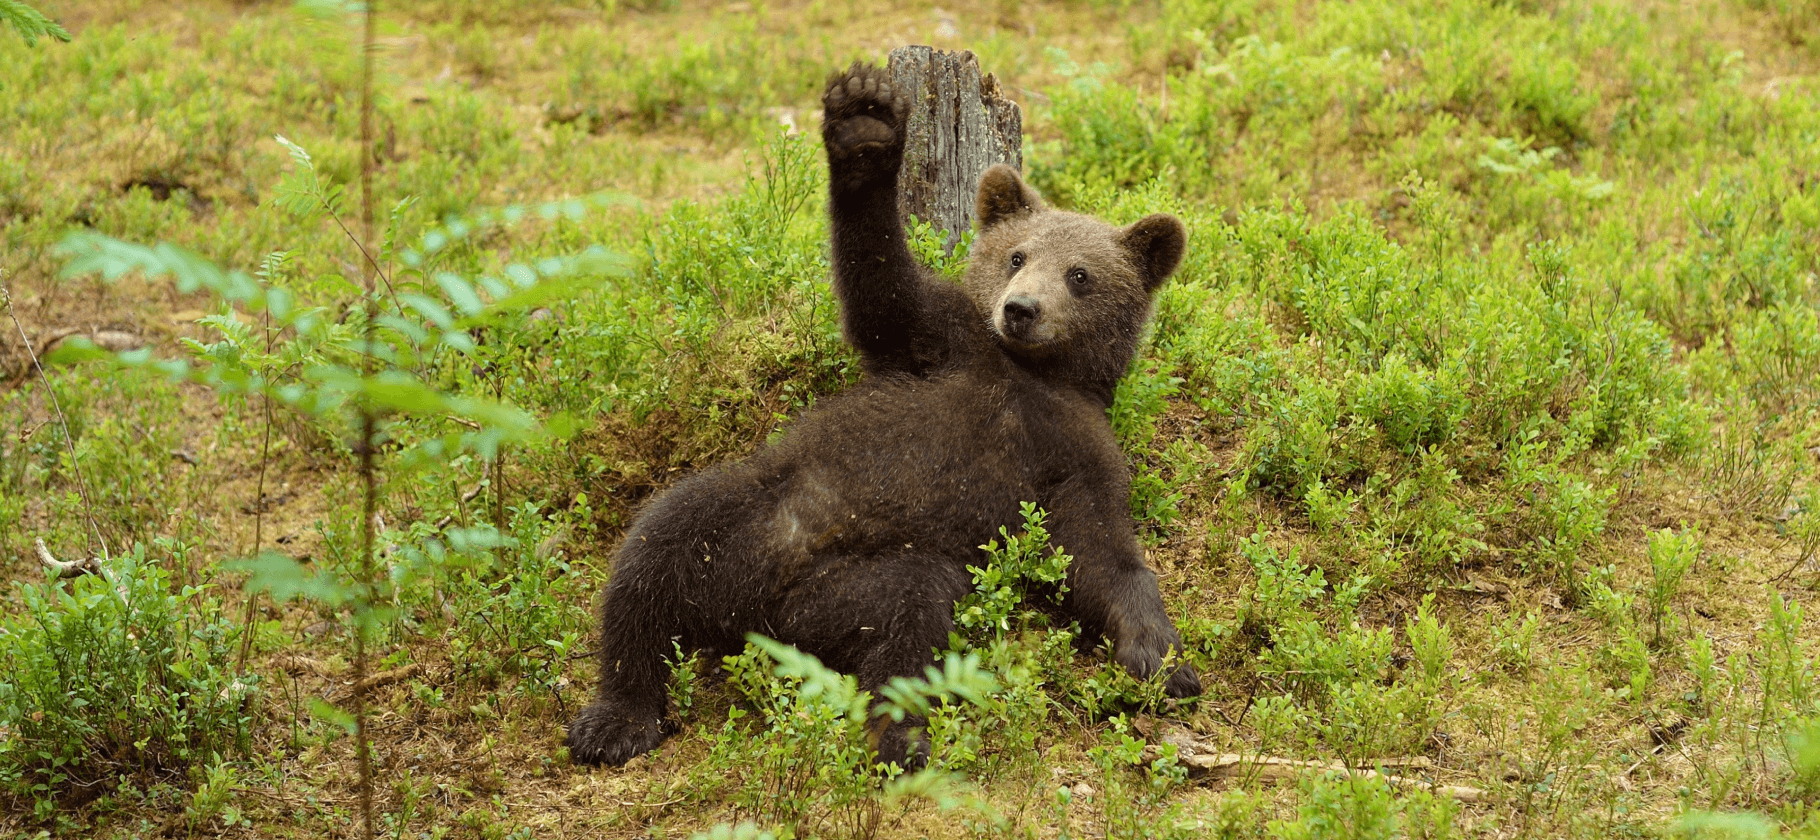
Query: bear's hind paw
[(904, 743), (603, 736), (1157, 648)]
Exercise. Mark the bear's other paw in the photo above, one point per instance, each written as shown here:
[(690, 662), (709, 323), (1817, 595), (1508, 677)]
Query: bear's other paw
[(606, 736), (903, 743), (1183, 683), (1143, 656), (863, 127)]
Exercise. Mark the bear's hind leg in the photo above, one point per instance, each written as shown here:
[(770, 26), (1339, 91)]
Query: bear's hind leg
[(906, 653), (878, 619), (608, 734), (627, 717)]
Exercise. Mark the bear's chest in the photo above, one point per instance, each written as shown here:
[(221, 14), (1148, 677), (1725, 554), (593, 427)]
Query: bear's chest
[(926, 466)]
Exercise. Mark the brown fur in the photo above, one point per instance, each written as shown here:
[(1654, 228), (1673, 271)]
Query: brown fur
[(850, 537)]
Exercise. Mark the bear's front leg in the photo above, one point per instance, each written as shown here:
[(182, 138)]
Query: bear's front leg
[(1141, 633), (892, 311), (1112, 592)]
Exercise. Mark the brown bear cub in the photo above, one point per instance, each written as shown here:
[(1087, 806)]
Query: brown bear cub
[(850, 537)]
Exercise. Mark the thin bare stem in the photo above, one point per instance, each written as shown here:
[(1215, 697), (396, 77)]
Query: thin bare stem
[(265, 453), (499, 468), (363, 744), (88, 505), (372, 264), (370, 485)]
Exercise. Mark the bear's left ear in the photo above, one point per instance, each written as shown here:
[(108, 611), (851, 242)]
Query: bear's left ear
[(1003, 195), (1155, 244)]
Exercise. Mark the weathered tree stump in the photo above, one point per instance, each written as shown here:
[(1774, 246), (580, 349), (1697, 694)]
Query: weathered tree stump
[(960, 124)]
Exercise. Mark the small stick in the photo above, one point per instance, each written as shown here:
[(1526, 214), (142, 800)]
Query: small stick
[(88, 506), (1229, 765), (465, 498), (384, 678)]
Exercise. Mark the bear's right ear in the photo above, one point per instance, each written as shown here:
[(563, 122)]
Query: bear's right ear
[(1003, 195)]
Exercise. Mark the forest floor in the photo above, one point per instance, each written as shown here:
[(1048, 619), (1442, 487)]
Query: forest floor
[(1476, 441)]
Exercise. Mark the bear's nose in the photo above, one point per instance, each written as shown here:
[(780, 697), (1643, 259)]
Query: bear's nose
[(1021, 311)]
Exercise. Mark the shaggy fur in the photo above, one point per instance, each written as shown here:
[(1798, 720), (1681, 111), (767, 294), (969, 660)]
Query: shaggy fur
[(850, 537)]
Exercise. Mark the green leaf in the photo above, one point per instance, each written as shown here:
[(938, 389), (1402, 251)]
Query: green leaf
[(521, 275), (817, 680), (496, 415), (279, 303), (460, 341), (400, 391), (284, 579), (460, 292), (563, 425), (333, 715), (30, 23), (74, 350), (91, 253), (430, 308), (297, 153), (411, 331)]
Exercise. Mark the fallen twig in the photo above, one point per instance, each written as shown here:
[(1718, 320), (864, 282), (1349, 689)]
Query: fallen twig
[(384, 678), (296, 664), (112, 341), (69, 442), (1203, 762), (1231, 765), (465, 498)]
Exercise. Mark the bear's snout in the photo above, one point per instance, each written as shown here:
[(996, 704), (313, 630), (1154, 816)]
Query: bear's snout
[(1021, 312)]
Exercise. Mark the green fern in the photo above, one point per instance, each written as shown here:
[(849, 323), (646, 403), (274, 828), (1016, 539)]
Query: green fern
[(30, 23)]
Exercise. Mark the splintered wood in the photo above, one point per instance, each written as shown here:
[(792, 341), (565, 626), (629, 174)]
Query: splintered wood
[(385, 678), (960, 124), (59, 569)]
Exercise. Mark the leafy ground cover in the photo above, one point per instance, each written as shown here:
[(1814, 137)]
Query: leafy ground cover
[(1476, 441)]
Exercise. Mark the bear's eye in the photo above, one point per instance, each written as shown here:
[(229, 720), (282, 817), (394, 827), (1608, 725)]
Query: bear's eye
[(1017, 260), (1077, 279)]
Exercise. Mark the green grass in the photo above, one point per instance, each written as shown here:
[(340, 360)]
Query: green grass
[(1478, 436)]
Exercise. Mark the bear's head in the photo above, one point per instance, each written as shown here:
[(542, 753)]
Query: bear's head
[(1064, 293)]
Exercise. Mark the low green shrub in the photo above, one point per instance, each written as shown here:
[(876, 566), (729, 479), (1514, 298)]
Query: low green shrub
[(804, 761), (517, 607), (116, 677)]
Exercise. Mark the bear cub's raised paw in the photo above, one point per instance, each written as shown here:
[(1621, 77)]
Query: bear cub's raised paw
[(863, 127)]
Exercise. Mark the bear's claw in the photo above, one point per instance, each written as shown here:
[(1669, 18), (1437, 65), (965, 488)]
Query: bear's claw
[(1146, 654), (905, 744), (601, 735), (1183, 683)]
